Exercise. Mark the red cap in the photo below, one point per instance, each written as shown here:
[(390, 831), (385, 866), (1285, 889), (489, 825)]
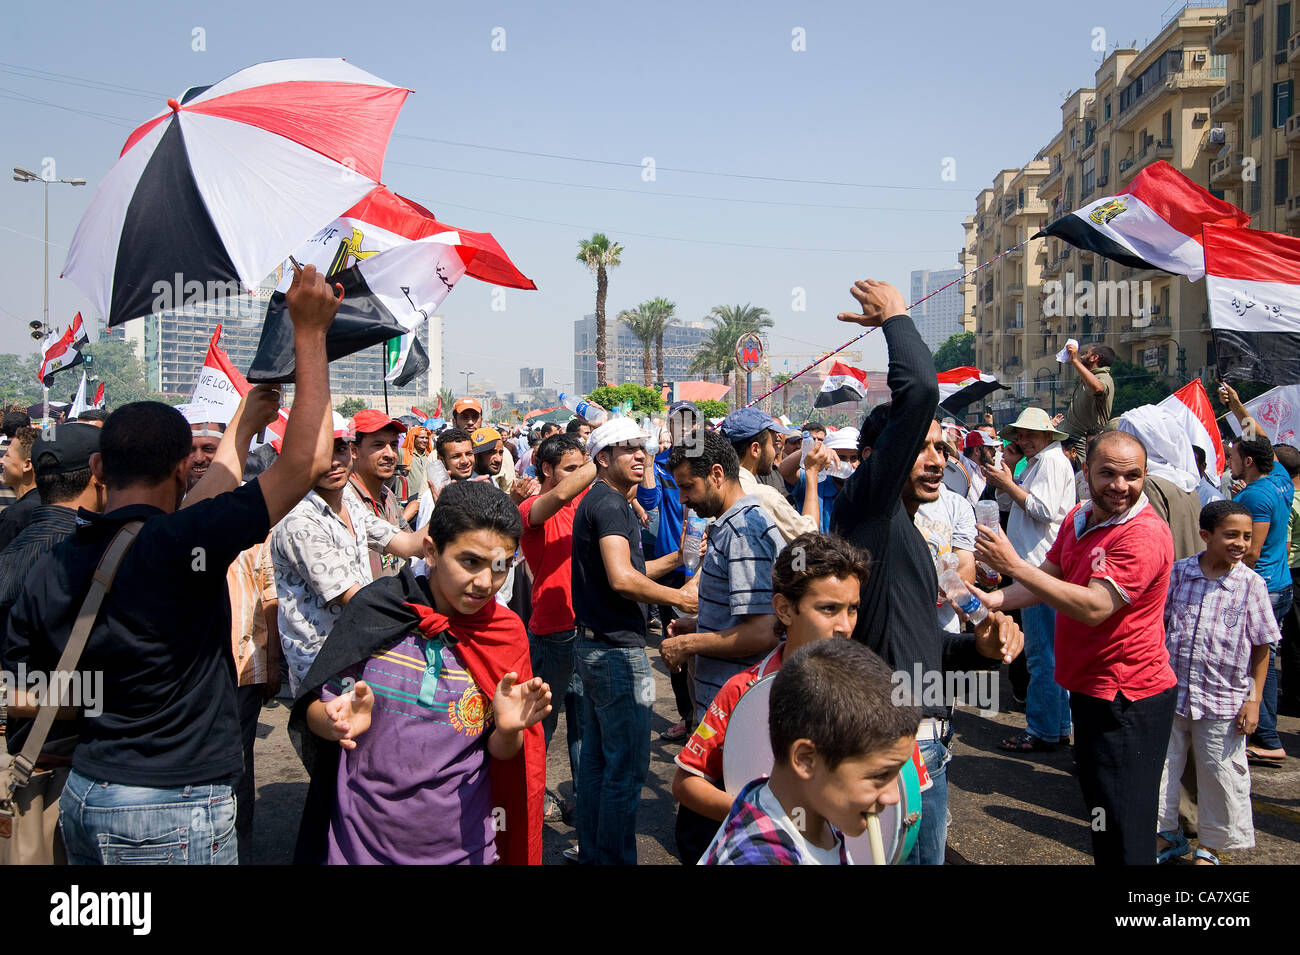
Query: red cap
[(369, 421)]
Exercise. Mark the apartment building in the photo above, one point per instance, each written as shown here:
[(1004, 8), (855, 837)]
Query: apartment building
[(1144, 105), (941, 315)]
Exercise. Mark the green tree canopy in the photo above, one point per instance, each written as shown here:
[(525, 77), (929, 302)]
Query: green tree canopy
[(645, 401), (1135, 386), (957, 352), (18, 384), (112, 361), (350, 406), (713, 409)]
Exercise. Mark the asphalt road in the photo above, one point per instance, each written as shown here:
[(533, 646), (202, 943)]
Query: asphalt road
[(1006, 808)]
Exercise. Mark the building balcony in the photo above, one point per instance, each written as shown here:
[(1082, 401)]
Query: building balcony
[(1293, 130), (1051, 267), (1015, 289), (1224, 169), (1155, 149), (1053, 175), (1207, 79), (1229, 101), (1016, 253), (1229, 33), (1157, 327), (1293, 51), (1293, 209)]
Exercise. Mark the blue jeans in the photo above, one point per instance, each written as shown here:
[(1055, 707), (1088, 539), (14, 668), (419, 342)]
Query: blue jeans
[(1265, 736), (1047, 706), (933, 839), (114, 824), (618, 690), (552, 659)]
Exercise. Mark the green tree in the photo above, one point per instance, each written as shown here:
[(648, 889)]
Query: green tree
[(113, 361), (1135, 386), (645, 401), (18, 383), (643, 323), (350, 406), (600, 255), (713, 409), (957, 352), (663, 310), (780, 382)]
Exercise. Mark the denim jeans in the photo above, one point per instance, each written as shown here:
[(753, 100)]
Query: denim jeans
[(1047, 705), (114, 824), (933, 839), (1265, 736), (552, 659), (618, 690)]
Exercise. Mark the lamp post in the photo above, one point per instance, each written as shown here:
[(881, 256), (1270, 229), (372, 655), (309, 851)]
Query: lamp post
[(26, 175), (466, 374)]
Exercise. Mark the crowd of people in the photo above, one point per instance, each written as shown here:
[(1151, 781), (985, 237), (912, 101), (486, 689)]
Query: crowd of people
[(433, 602)]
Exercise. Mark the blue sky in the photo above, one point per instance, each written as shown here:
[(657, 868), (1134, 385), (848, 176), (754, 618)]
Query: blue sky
[(882, 94)]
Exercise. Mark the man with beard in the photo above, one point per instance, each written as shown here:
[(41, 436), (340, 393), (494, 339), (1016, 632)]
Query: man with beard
[(373, 465), (489, 459), (320, 553), (467, 415), (206, 435), (902, 467), (1107, 578), (753, 435)]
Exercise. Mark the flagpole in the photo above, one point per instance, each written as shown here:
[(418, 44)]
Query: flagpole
[(855, 338), (383, 347)]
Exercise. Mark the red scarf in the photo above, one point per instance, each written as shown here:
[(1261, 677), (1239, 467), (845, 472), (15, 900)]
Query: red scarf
[(492, 643)]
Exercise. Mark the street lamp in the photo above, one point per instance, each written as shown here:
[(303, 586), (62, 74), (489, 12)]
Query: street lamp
[(466, 374), (26, 175)]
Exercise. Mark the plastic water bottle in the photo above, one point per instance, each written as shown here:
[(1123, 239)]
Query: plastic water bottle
[(961, 597), (437, 474), (805, 445), (589, 411), (652, 437), (987, 515), (695, 528)]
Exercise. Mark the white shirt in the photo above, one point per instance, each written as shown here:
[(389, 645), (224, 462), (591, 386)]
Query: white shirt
[(947, 524), (1049, 482), (811, 854)]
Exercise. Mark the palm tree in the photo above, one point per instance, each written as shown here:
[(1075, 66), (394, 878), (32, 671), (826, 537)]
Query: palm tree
[(599, 255), (780, 381), (447, 398), (729, 323), (663, 312), (643, 322)]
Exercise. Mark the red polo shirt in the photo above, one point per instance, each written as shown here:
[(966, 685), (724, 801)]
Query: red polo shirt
[(549, 552), (1126, 652)]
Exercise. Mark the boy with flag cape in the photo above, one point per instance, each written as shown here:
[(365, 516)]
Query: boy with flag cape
[(401, 778)]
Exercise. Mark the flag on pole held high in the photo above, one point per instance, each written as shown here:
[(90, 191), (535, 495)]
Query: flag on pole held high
[(218, 390), (1277, 412), (79, 400), (62, 350), (99, 397), (1190, 406), (843, 383), (1154, 223), (1252, 283), (959, 387)]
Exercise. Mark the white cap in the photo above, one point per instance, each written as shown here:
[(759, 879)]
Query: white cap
[(615, 431), (845, 439)]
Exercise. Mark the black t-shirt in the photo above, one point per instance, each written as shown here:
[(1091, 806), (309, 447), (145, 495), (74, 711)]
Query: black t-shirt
[(17, 516), (611, 618), (161, 643)]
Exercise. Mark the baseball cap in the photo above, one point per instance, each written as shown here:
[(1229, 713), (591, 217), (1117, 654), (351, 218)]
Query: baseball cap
[(341, 429), (485, 439), (677, 406), (845, 439), (69, 450), (975, 439), (615, 431), (370, 420), (464, 404), (747, 422)]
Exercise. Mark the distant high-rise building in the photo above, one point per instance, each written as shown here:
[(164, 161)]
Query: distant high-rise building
[(530, 377), (940, 317), (173, 343), (623, 358)]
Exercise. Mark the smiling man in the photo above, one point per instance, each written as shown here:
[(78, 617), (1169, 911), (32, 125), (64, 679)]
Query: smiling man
[(1107, 577), (373, 465)]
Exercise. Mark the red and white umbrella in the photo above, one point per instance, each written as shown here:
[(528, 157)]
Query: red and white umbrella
[(209, 197)]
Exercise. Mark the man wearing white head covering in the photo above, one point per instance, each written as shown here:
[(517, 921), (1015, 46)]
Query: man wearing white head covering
[(1172, 474)]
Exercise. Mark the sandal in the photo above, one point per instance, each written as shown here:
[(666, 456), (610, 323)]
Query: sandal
[(1027, 743), (1265, 757), (675, 733), (1206, 855), (1178, 846)]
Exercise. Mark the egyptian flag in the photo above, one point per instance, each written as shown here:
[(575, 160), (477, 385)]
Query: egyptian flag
[(959, 387), (1153, 224), (1190, 407), (62, 350), (1252, 282), (396, 264), (843, 383), (219, 386), (99, 397)]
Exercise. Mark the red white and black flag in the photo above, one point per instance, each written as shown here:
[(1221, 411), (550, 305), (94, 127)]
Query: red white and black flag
[(1252, 281), (1154, 223), (959, 387), (843, 383), (62, 350)]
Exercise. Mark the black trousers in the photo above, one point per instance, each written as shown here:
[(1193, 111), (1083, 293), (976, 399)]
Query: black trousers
[(1120, 747), (249, 701)]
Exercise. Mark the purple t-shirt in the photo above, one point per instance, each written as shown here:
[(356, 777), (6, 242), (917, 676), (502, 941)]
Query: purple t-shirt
[(416, 790)]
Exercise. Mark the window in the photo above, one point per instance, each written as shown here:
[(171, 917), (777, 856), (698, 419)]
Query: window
[(1281, 181), (1281, 104), (1020, 199), (1104, 170), (1283, 26), (1106, 108), (1257, 40), (1089, 177), (1020, 314), (1086, 272), (1256, 195), (1256, 114), (1167, 127), (1153, 75)]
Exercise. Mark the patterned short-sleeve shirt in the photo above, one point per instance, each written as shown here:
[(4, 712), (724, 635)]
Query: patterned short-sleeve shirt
[(316, 559)]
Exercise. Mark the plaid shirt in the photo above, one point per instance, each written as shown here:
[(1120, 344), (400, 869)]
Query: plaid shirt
[(1210, 627), (749, 836)]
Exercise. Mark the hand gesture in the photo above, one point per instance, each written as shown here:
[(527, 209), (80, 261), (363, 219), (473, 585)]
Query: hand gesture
[(1057, 419), (683, 625), (998, 638), (879, 301), (261, 407), (1071, 351), (820, 458), (311, 302), (523, 489), (1002, 478), (349, 714), (518, 706), (688, 598), (994, 548), (674, 652), (1227, 394), (988, 417)]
